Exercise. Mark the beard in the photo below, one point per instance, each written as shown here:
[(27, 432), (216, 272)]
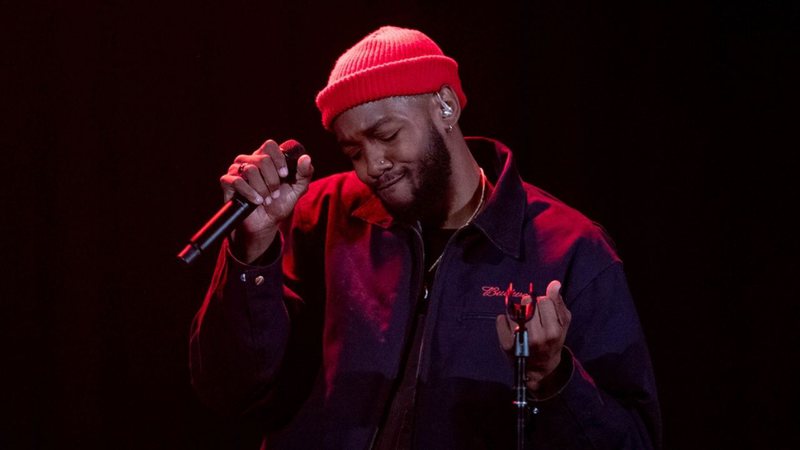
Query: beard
[(431, 197)]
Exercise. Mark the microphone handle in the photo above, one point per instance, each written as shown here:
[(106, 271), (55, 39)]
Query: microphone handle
[(236, 210), (226, 219)]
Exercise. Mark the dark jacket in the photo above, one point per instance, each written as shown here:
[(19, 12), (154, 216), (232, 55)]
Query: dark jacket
[(312, 340)]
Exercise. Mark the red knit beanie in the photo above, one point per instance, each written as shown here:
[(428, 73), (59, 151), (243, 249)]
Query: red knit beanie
[(386, 63)]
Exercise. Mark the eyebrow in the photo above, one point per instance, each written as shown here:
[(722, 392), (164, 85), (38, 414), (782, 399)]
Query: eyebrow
[(370, 131)]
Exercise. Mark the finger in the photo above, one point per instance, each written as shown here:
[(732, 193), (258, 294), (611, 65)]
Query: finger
[(305, 170), (226, 182), (249, 159), (540, 326), (268, 149), (265, 148), (232, 184), (269, 173), (554, 294), (246, 166), (252, 175), (535, 327), (505, 334), (261, 161), (554, 290), (280, 159), (548, 316)]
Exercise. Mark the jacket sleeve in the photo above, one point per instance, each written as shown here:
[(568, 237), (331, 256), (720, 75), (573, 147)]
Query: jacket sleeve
[(610, 400), (255, 344)]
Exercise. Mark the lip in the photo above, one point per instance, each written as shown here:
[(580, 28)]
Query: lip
[(390, 183)]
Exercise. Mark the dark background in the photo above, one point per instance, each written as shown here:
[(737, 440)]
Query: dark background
[(669, 123)]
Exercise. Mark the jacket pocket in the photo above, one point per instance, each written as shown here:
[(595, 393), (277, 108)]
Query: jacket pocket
[(479, 315)]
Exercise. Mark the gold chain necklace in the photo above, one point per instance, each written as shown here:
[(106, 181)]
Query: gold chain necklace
[(474, 213)]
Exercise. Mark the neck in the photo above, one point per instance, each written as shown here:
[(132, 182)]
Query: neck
[(467, 186)]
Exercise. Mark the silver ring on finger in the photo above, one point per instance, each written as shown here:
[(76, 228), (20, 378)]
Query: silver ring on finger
[(240, 170)]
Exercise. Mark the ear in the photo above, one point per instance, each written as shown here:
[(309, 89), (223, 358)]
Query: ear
[(447, 109)]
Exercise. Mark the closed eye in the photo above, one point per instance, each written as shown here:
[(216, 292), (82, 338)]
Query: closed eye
[(387, 137), (354, 154)]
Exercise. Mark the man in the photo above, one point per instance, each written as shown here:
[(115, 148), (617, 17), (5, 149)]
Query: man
[(367, 309)]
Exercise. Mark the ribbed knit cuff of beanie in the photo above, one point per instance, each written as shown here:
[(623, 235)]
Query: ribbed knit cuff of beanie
[(388, 62)]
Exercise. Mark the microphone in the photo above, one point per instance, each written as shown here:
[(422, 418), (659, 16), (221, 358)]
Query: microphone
[(235, 211), (520, 309)]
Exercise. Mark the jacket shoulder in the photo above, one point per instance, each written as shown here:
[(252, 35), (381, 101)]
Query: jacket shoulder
[(563, 229), (343, 192)]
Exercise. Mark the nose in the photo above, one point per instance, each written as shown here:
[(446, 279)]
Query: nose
[(377, 163)]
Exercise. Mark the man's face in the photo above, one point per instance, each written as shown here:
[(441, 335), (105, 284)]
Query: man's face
[(398, 153)]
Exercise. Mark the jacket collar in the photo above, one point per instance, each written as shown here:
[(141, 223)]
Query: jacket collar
[(371, 210), (502, 218), (504, 215)]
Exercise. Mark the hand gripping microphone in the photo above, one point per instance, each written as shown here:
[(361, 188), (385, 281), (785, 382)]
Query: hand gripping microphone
[(235, 211)]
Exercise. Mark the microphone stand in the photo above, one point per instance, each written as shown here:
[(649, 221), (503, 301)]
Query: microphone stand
[(520, 310)]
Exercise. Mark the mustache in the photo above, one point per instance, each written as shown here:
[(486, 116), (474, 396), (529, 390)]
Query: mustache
[(387, 179)]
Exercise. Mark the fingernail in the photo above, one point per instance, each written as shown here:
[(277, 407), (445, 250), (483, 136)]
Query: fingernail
[(283, 171), (267, 200), (276, 194), (259, 200)]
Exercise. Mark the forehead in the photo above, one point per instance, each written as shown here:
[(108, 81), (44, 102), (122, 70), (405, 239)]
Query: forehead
[(369, 116)]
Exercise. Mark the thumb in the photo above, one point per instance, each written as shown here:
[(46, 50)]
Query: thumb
[(553, 290), (305, 170)]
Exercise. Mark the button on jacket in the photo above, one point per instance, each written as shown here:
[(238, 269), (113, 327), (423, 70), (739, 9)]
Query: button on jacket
[(311, 340)]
